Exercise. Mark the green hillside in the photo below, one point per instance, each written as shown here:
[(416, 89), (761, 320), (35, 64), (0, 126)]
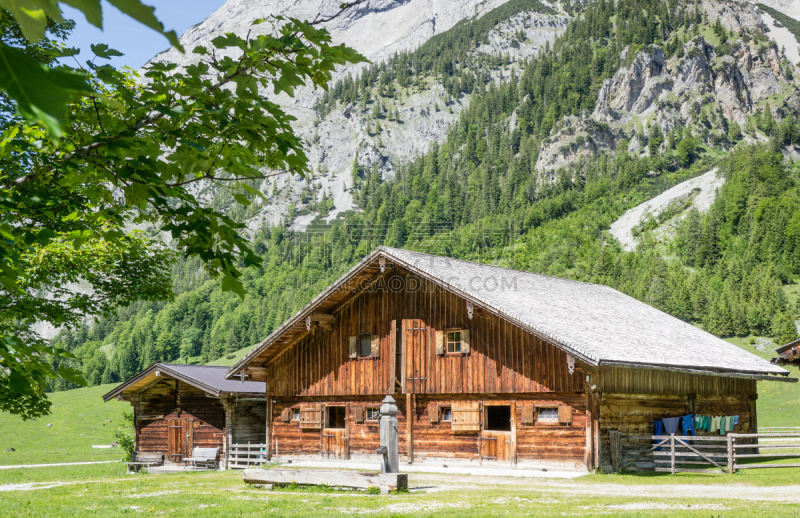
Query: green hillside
[(79, 419)]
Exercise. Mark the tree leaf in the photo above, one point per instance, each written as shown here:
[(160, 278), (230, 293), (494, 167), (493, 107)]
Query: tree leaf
[(71, 375), (145, 15), (32, 15), (102, 51), (40, 92), (91, 9)]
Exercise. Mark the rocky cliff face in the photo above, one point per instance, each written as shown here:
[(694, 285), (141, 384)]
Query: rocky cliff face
[(700, 88), (376, 29)]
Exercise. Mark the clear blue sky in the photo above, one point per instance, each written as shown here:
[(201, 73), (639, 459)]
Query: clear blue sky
[(133, 39)]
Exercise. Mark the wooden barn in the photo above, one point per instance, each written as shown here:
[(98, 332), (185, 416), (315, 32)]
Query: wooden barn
[(180, 407), (488, 365)]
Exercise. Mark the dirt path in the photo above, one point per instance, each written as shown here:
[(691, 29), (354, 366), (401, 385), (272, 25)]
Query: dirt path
[(58, 464), (788, 494)]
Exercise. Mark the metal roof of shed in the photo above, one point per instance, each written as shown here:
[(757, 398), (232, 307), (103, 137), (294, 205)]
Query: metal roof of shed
[(209, 378)]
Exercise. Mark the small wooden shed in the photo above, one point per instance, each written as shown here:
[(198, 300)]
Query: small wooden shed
[(488, 365), (179, 407)]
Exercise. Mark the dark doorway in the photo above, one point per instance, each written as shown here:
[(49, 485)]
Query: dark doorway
[(498, 418), (335, 417)]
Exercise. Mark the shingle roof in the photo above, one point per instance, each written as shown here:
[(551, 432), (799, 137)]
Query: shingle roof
[(209, 378), (593, 322)]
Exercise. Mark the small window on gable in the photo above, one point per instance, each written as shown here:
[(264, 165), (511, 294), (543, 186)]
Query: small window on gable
[(372, 414), (365, 346), (547, 415), (295, 414), (447, 413), (454, 341)]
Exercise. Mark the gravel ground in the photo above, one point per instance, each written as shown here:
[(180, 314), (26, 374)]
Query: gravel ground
[(708, 184), (783, 37)]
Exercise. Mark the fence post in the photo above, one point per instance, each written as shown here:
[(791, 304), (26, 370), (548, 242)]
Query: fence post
[(730, 454), (672, 452)]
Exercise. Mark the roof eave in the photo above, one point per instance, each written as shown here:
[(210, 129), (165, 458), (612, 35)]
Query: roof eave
[(725, 373), (212, 391)]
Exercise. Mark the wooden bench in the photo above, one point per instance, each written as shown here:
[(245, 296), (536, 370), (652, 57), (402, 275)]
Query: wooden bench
[(145, 459), (203, 456)]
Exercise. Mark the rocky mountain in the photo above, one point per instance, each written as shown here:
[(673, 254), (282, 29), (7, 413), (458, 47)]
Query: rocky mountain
[(377, 29), (579, 140), (703, 86)]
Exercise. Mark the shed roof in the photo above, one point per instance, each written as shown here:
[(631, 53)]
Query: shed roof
[(209, 378), (595, 323)]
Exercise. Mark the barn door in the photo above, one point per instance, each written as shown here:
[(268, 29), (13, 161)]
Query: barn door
[(334, 433), (414, 349), (496, 431), (180, 438)]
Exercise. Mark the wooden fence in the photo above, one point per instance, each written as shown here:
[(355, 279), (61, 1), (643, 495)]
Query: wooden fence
[(242, 456), (702, 454)]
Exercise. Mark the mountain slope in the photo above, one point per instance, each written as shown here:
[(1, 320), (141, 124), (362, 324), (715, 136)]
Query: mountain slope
[(350, 133)]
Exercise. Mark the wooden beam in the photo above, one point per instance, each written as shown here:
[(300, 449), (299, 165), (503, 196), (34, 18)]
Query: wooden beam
[(268, 436), (410, 403), (513, 433), (589, 456), (302, 477)]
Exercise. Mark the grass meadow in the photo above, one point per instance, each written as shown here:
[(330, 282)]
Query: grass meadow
[(105, 490)]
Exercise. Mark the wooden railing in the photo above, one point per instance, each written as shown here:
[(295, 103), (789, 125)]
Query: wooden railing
[(682, 454), (242, 456)]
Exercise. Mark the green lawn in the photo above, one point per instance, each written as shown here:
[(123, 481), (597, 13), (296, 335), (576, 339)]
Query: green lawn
[(237, 355), (104, 490), (79, 420), (778, 402)]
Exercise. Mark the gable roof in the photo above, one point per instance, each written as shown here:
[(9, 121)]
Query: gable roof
[(208, 378), (595, 323)]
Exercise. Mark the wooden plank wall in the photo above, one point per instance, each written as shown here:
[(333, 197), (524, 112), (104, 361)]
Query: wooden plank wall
[(504, 358), (642, 381), (633, 414), (554, 444), (250, 422), (557, 444), (163, 399)]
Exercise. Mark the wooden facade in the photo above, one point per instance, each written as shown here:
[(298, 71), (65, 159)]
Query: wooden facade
[(173, 417), (471, 385), (175, 412)]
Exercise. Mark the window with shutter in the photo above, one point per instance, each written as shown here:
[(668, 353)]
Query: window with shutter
[(311, 418), (465, 416), (547, 415), (454, 342), (365, 346), (565, 414), (373, 414), (375, 348), (433, 413), (527, 414)]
